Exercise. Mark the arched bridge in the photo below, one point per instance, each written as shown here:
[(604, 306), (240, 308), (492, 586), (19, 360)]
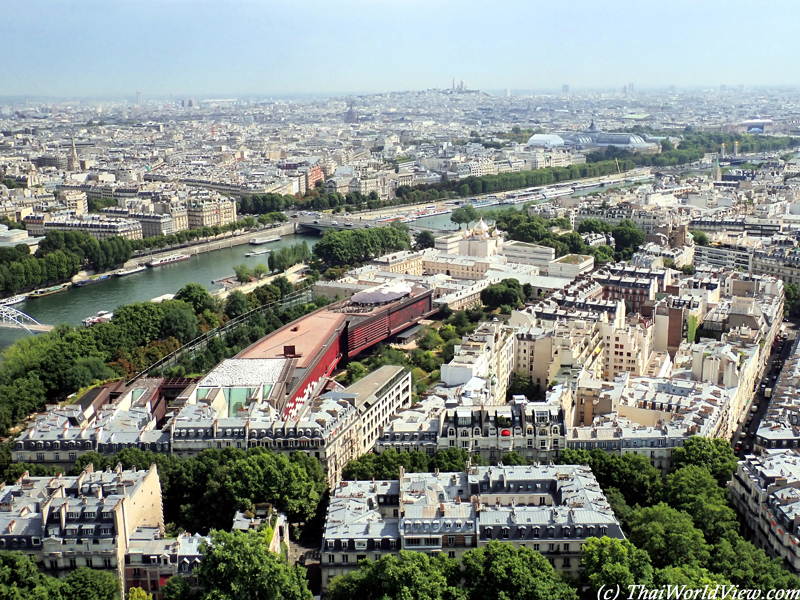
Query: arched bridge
[(11, 317)]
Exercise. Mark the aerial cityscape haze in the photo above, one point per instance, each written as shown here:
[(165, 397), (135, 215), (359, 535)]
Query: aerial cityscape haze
[(75, 49), (386, 299)]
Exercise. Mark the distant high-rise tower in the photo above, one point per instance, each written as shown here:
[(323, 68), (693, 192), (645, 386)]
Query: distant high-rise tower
[(630, 88), (508, 93), (565, 88), (138, 97)]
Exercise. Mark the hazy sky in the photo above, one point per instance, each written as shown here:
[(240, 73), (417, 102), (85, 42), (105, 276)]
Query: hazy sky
[(262, 47)]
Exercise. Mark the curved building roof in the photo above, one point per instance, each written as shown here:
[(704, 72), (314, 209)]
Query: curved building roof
[(545, 139)]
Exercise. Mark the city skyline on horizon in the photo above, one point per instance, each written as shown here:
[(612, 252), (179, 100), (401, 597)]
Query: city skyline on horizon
[(310, 48), (574, 91)]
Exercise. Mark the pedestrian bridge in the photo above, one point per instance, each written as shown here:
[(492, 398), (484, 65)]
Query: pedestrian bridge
[(16, 319)]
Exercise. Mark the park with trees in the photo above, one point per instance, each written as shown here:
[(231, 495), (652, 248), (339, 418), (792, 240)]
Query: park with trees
[(353, 247)]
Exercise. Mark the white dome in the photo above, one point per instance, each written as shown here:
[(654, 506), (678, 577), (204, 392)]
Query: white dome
[(482, 226)]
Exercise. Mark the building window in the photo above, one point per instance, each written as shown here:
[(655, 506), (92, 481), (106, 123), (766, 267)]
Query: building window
[(451, 540), (331, 559), (40, 456), (73, 564), (107, 563), (53, 564), (345, 559), (137, 572)]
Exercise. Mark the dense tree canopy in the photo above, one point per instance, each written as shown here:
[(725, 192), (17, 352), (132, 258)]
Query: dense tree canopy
[(288, 256), (668, 536), (339, 248), (424, 239), (239, 565), (715, 454), (464, 215), (628, 238), (503, 571), (204, 492), (611, 562), (189, 235), (632, 474), (490, 184), (406, 576), (507, 291), (198, 296), (21, 580), (59, 257)]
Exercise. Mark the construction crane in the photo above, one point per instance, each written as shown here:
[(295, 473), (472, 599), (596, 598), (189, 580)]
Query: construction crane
[(619, 171)]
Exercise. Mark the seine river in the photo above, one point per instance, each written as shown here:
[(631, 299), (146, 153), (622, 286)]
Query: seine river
[(76, 304)]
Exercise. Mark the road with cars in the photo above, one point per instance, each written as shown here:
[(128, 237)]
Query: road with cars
[(744, 437)]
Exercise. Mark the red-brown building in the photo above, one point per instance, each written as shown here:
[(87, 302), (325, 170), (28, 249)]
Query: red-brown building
[(317, 342)]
